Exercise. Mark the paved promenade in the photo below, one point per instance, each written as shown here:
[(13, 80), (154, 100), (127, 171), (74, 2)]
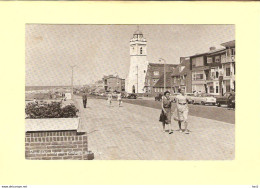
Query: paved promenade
[(133, 132)]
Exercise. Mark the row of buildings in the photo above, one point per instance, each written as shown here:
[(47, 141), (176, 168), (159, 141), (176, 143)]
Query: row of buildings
[(211, 72)]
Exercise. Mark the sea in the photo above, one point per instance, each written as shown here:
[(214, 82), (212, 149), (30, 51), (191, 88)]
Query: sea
[(34, 88)]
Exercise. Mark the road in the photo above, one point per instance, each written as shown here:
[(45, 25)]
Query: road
[(133, 132), (209, 112)]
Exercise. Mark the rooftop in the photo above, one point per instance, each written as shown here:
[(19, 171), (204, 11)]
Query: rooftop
[(208, 52), (161, 65), (186, 64), (229, 44), (160, 82)]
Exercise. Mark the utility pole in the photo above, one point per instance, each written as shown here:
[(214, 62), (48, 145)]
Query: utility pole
[(117, 83), (137, 78), (72, 66), (164, 72)]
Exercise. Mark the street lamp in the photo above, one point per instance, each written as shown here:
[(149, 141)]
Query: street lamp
[(72, 66), (137, 78), (164, 82), (117, 87)]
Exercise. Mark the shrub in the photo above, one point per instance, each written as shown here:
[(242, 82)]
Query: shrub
[(50, 110)]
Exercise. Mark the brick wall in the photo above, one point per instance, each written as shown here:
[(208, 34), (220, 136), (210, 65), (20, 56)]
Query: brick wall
[(56, 145)]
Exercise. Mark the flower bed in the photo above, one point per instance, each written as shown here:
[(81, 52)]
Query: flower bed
[(35, 110)]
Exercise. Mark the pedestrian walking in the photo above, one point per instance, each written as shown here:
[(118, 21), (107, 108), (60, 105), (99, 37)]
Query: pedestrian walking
[(109, 99), (119, 98), (166, 113), (84, 98), (182, 110)]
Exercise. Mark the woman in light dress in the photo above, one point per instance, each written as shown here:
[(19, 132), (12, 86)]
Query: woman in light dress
[(119, 98), (182, 110), (166, 113)]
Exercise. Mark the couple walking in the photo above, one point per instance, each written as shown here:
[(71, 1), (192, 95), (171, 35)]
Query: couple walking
[(119, 99), (180, 114)]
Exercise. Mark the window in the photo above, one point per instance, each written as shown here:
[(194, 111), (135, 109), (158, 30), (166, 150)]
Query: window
[(212, 71), (156, 73), (197, 76), (211, 89), (174, 80), (209, 59), (228, 86), (197, 61), (141, 50), (217, 59), (233, 52), (144, 71), (216, 89), (217, 74), (228, 71)]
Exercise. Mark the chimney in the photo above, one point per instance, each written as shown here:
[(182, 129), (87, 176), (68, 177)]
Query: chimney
[(212, 48), (182, 59)]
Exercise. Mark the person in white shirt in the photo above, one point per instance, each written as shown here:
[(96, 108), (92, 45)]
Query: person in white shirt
[(182, 110), (119, 98)]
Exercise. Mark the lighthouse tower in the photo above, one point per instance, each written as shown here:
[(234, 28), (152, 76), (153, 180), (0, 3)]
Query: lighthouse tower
[(138, 64)]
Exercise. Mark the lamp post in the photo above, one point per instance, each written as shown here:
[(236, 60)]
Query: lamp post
[(137, 78), (72, 66), (164, 70)]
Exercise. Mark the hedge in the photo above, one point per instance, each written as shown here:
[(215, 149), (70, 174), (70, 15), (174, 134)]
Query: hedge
[(36, 110)]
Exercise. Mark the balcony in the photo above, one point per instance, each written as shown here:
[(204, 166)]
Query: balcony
[(228, 59)]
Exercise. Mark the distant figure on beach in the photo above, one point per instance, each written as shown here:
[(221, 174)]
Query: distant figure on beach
[(84, 98)]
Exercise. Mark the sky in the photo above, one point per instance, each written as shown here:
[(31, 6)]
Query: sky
[(97, 50)]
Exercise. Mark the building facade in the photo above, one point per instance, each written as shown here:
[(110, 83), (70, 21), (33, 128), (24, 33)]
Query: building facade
[(228, 67), (213, 72), (214, 85), (199, 68), (181, 77), (138, 64), (113, 83), (154, 73)]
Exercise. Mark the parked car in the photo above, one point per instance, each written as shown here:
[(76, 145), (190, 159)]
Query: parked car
[(132, 96), (190, 97), (158, 97), (228, 99), (204, 99), (123, 94)]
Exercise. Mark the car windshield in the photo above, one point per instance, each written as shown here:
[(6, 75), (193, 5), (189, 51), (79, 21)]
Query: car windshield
[(227, 94), (206, 95)]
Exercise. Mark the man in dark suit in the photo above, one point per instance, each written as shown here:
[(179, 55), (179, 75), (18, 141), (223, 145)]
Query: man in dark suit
[(84, 98)]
